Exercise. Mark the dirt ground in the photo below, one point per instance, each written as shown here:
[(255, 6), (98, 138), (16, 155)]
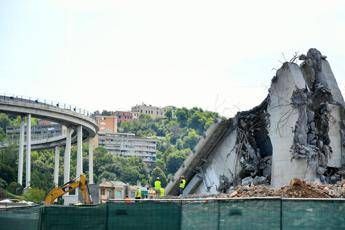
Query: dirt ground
[(296, 189)]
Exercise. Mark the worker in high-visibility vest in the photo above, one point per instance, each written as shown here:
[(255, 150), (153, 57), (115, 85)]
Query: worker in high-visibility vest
[(158, 186), (182, 185), (138, 193), (162, 192)]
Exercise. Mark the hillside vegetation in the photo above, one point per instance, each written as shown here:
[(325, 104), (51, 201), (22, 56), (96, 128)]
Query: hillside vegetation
[(177, 134)]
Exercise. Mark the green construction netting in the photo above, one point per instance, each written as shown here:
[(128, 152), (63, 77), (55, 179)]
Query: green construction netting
[(19, 218), (199, 215), (144, 215), (313, 214), (73, 217), (182, 214), (249, 214)]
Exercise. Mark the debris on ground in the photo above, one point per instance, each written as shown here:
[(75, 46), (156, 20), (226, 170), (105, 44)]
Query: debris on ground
[(301, 189), (296, 189)]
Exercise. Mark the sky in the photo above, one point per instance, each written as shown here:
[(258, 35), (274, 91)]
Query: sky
[(114, 54)]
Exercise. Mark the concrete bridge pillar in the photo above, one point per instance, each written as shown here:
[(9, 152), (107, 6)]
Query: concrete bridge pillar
[(56, 166), (28, 152), (67, 156), (90, 161), (79, 169), (21, 151)]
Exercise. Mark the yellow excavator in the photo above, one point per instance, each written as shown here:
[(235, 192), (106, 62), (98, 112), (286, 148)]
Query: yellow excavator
[(79, 182)]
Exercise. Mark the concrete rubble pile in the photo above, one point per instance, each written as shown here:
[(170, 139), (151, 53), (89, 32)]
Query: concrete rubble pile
[(296, 189)]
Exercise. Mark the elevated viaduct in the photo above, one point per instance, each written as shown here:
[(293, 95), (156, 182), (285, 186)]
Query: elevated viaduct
[(78, 127)]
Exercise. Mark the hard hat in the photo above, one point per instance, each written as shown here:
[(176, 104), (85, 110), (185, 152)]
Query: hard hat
[(158, 178)]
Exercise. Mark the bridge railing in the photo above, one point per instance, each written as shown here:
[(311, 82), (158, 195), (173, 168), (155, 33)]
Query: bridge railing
[(61, 107)]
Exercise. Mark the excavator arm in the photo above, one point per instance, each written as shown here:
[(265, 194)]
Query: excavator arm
[(70, 186)]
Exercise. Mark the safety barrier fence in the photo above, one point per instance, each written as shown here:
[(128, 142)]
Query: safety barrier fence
[(19, 218), (220, 214)]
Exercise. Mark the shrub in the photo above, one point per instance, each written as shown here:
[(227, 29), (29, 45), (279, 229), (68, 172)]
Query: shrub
[(34, 194), (15, 188)]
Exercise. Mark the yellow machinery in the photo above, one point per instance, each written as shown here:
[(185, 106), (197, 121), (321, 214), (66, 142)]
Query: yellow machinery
[(79, 182)]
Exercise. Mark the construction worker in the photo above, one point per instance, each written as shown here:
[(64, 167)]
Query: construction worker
[(152, 193), (128, 200), (138, 193), (144, 192), (162, 192), (158, 186), (182, 185)]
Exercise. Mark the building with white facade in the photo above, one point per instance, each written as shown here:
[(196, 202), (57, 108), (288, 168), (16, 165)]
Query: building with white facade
[(127, 144)]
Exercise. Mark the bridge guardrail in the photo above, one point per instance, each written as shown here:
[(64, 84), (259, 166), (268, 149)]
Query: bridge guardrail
[(72, 110)]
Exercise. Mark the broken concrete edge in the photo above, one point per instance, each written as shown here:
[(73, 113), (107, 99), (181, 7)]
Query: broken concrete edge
[(342, 133), (253, 147), (314, 103), (202, 151), (205, 147)]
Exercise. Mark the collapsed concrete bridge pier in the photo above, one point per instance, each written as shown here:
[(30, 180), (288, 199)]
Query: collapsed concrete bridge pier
[(296, 132)]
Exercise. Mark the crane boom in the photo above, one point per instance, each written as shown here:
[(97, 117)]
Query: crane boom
[(79, 182)]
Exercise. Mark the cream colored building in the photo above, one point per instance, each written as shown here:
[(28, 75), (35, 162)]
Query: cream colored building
[(115, 190), (153, 111)]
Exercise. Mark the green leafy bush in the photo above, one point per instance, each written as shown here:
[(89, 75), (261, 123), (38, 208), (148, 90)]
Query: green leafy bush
[(35, 195)]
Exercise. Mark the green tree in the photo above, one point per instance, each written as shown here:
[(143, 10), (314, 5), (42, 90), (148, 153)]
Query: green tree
[(160, 163), (169, 114), (182, 116), (15, 188), (191, 139), (196, 122), (42, 175), (9, 155), (109, 176), (5, 121), (174, 161), (158, 172), (111, 167), (7, 173)]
